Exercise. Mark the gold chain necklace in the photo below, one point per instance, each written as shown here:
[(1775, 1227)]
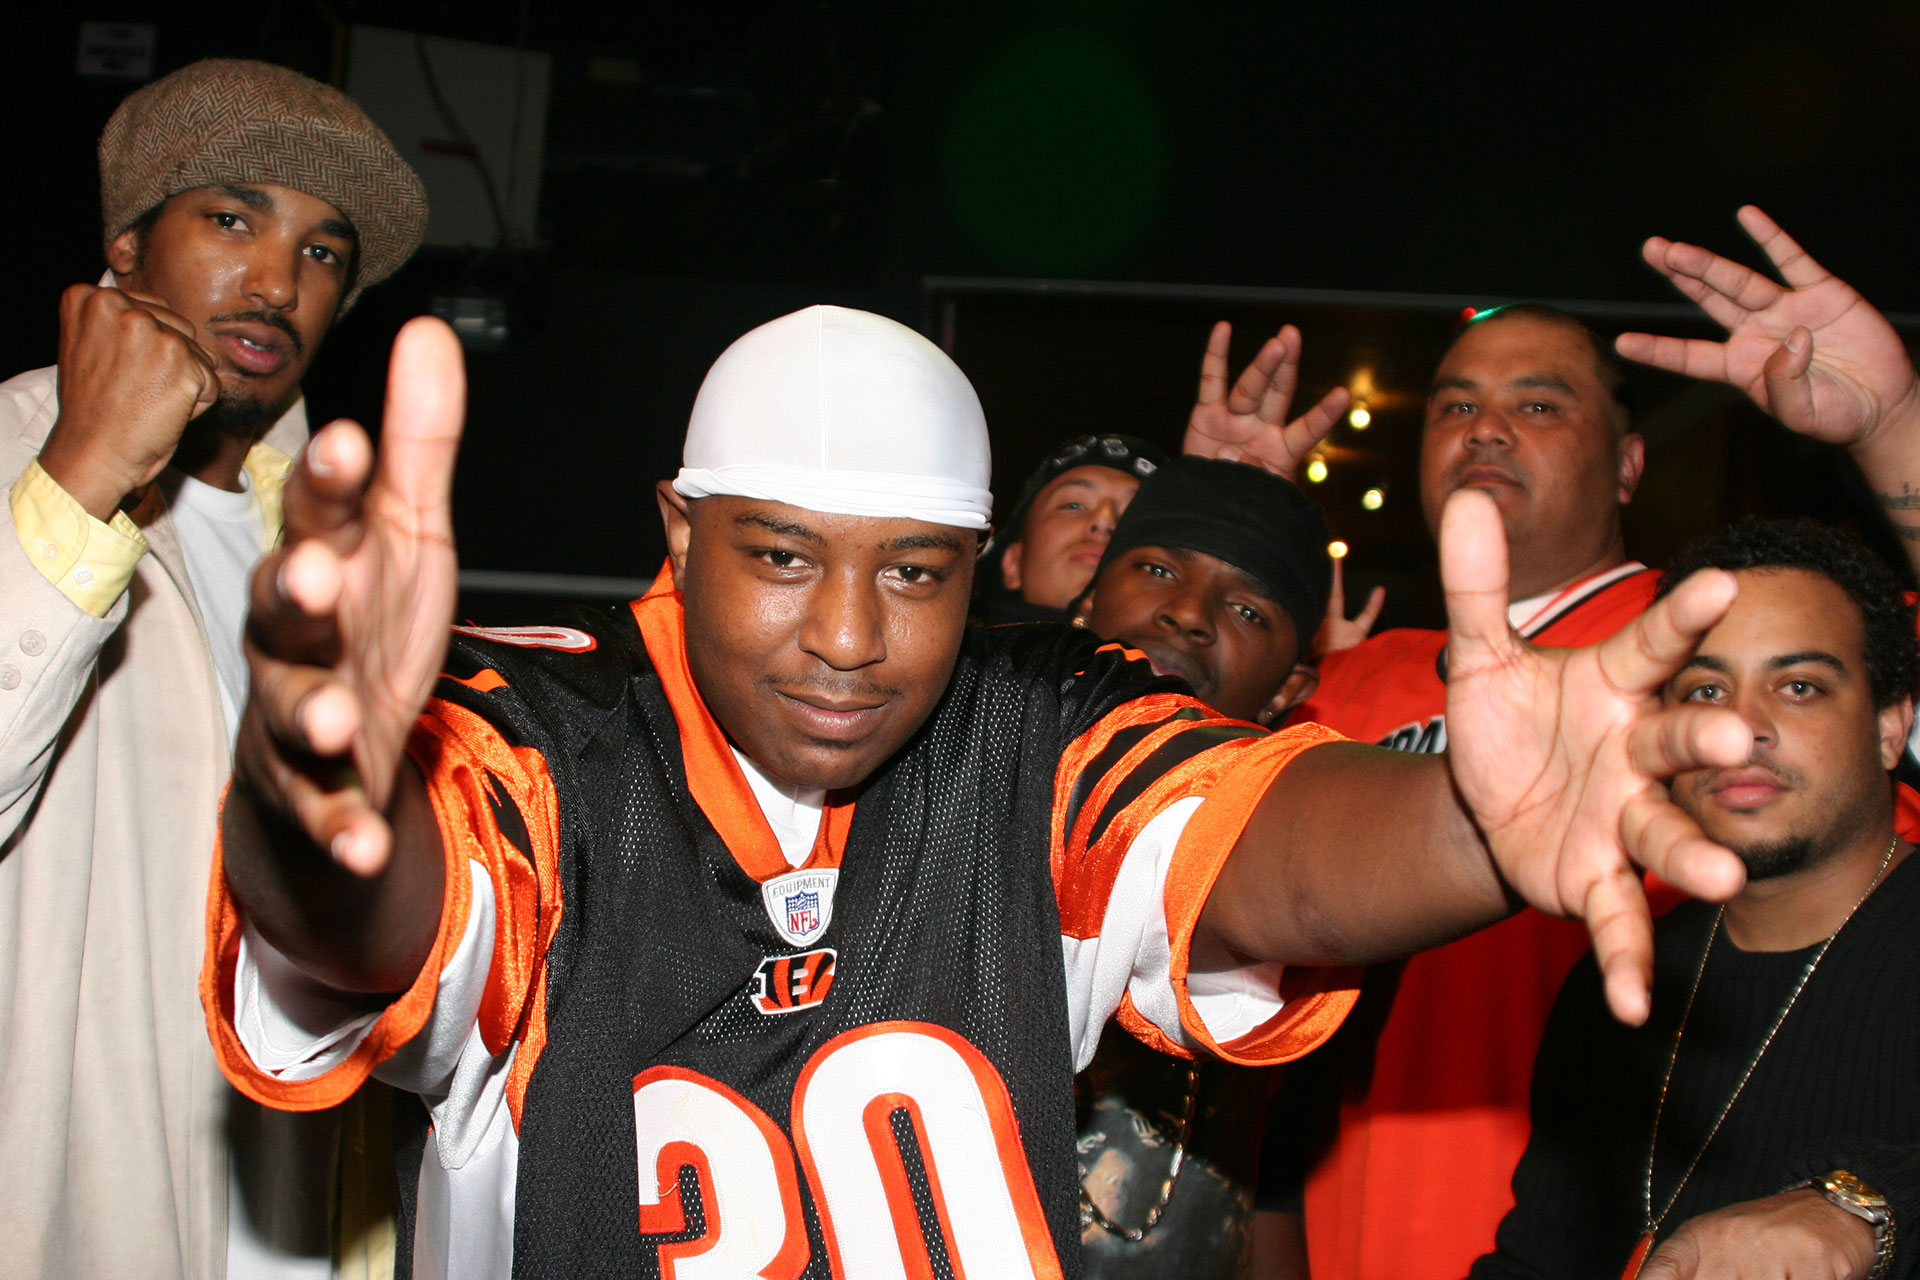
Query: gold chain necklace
[(1645, 1244)]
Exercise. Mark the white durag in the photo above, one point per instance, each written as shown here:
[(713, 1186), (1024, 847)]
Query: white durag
[(844, 412)]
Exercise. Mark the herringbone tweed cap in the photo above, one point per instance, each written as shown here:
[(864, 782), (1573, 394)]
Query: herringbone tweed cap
[(227, 120)]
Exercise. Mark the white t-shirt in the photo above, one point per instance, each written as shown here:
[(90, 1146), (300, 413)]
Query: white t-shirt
[(280, 1162), (222, 536)]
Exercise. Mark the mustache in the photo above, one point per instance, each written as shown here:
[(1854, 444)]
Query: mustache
[(1786, 777), (1476, 457), (272, 319)]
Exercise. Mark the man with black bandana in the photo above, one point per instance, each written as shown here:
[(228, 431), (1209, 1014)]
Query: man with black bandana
[(1218, 574)]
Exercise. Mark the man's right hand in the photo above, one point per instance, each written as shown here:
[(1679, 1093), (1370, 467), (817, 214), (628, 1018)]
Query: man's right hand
[(132, 376), (350, 619)]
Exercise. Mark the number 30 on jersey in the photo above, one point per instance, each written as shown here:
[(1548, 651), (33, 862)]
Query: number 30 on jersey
[(909, 1146)]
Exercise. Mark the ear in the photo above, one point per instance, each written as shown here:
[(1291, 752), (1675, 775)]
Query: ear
[(1081, 610), (1631, 462), (1010, 565), (678, 519), (123, 254), (1297, 688), (1896, 722)]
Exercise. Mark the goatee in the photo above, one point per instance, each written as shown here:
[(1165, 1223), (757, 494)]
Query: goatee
[(1782, 858)]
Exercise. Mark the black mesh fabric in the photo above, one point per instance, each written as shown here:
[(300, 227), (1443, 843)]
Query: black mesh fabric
[(944, 914)]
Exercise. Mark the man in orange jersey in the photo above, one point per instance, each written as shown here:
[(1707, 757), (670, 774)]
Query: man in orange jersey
[(1434, 1067)]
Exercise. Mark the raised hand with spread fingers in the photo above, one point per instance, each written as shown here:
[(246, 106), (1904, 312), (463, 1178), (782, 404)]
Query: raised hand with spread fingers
[(1247, 422), (1810, 351)]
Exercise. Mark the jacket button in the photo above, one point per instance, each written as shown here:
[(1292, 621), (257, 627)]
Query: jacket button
[(9, 676), (32, 643)]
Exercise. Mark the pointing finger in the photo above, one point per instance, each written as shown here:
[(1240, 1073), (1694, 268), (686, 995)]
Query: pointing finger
[(425, 409)]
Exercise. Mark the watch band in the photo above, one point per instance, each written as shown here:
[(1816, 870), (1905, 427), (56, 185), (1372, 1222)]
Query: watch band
[(1853, 1194)]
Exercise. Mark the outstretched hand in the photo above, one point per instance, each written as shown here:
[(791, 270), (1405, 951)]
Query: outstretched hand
[(1812, 352), (350, 619), (1249, 422), (1562, 756)]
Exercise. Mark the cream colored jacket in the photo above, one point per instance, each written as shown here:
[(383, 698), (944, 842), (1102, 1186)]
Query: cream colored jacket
[(113, 751)]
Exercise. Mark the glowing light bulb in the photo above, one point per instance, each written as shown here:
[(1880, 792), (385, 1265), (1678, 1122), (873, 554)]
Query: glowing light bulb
[(1359, 417), (1337, 549), (1374, 499), (1316, 469)]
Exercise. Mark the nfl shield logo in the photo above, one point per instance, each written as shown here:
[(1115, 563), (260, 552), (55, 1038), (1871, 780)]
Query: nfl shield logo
[(800, 904), (803, 913)]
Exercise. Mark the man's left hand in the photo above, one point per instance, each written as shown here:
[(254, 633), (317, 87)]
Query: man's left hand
[(1797, 1235), (1562, 756)]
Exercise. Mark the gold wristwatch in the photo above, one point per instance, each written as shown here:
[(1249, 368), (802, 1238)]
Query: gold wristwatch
[(1863, 1202)]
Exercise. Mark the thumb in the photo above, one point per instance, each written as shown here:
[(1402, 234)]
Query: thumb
[(1789, 389), (1473, 574)]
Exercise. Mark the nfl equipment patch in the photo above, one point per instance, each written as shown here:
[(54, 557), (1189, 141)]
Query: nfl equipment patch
[(788, 984), (800, 903)]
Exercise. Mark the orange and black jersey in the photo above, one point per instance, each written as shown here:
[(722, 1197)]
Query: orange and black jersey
[(899, 1078)]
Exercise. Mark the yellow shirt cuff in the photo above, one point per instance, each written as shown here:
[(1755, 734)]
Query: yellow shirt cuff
[(269, 470), (90, 562)]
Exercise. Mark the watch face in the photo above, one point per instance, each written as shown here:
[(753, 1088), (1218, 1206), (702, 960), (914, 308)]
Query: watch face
[(1845, 1184)]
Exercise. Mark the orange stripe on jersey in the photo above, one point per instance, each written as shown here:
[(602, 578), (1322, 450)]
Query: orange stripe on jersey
[(1080, 754), (467, 764), (402, 1020), (1317, 999), (1082, 876), (713, 775), (485, 680)]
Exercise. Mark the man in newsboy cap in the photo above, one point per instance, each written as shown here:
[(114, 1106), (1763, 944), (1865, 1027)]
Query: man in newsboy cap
[(245, 206)]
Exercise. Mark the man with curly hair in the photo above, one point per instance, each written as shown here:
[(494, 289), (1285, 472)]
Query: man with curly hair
[(1763, 1122)]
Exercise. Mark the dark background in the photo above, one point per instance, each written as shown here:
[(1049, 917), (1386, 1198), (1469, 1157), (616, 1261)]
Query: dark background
[(767, 155)]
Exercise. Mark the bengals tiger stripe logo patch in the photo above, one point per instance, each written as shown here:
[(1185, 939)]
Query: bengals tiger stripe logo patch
[(788, 984)]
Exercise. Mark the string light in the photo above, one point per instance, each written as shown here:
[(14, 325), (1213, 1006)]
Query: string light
[(1374, 499), (1316, 469), (1359, 417), (1337, 549)]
